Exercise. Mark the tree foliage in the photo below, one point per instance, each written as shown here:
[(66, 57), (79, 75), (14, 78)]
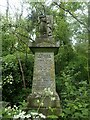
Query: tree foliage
[(71, 62)]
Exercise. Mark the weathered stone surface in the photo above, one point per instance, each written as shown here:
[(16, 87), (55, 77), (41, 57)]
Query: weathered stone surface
[(44, 87), (44, 44), (44, 49), (45, 39), (46, 24), (44, 96), (45, 101), (44, 72)]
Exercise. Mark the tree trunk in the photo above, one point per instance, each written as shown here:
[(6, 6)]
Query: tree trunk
[(23, 78), (89, 42), (7, 9), (89, 59), (21, 11)]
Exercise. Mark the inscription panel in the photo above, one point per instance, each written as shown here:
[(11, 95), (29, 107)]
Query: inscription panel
[(44, 74)]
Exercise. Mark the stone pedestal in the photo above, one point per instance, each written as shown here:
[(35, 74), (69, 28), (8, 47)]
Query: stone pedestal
[(44, 98)]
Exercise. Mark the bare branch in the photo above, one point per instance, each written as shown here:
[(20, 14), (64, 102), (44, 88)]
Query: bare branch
[(16, 26), (21, 11), (66, 10), (28, 37), (22, 72), (7, 9), (19, 38)]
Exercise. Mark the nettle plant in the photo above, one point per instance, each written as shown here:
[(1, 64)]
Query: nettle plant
[(9, 79), (74, 97), (47, 92), (19, 113)]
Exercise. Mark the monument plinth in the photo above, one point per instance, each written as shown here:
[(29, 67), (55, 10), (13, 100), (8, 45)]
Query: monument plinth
[(44, 97)]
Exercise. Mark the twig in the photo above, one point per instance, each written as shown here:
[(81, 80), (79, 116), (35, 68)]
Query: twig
[(59, 5)]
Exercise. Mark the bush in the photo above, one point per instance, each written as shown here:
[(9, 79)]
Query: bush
[(74, 98), (12, 84)]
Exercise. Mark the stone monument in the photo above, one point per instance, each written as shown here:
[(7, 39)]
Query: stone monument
[(44, 97)]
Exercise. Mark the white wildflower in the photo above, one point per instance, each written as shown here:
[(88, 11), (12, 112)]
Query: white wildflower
[(16, 116), (42, 104), (52, 98), (13, 109), (42, 116), (10, 82), (34, 113), (33, 116), (14, 106), (20, 115), (23, 112), (9, 113), (48, 89), (45, 89), (5, 109), (51, 93), (15, 112), (20, 111), (37, 117), (28, 116), (38, 101), (9, 107)]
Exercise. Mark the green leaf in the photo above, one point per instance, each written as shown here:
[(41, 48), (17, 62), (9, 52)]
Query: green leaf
[(52, 116)]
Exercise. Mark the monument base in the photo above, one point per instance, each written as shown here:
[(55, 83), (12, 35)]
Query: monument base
[(45, 104), (46, 111), (44, 98)]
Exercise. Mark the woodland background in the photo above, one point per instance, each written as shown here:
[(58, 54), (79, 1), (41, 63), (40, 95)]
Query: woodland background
[(72, 63)]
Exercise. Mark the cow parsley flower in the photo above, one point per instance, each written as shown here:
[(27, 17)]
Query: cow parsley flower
[(52, 98), (34, 113), (42, 116)]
